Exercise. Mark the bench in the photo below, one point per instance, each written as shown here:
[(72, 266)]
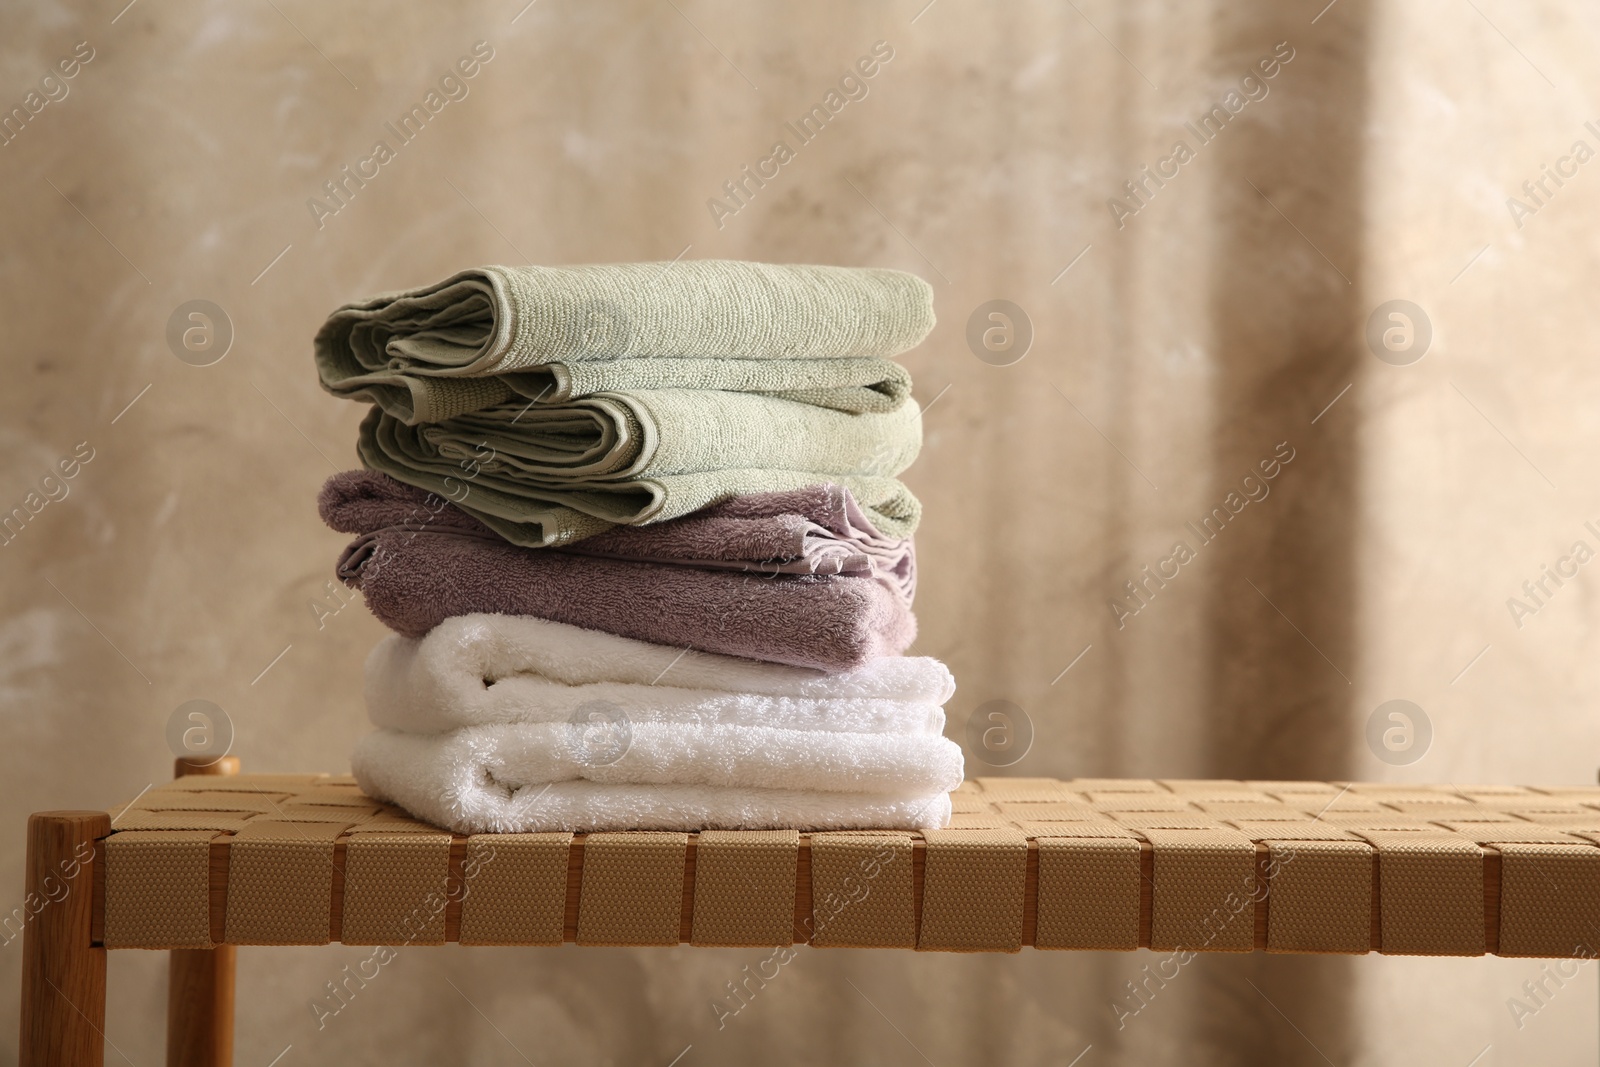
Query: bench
[(217, 859)]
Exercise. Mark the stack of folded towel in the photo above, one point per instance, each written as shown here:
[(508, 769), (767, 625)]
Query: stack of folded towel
[(588, 490)]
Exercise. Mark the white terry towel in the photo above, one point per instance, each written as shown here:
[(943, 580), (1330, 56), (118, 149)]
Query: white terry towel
[(507, 724), (491, 647), (491, 669), (452, 795), (477, 780)]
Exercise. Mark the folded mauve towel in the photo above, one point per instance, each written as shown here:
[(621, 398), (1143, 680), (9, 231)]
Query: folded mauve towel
[(550, 474), (818, 529), (485, 335), (413, 579), (482, 670)]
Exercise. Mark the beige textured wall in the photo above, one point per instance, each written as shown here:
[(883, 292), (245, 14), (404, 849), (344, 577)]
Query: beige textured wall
[(1176, 353)]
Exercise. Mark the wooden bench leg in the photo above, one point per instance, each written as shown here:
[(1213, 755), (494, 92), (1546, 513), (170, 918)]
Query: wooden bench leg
[(200, 1007), (200, 980), (63, 971)]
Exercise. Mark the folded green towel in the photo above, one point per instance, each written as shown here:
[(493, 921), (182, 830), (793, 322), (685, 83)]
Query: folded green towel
[(549, 474), (816, 334), (853, 385)]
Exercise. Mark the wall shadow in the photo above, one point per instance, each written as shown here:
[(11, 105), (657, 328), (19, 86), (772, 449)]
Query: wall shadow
[(1286, 302)]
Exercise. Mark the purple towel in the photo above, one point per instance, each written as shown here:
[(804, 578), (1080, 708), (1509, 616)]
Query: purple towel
[(820, 529), (418, 560)]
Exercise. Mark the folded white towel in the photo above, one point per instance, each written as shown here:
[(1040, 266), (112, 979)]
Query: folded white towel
[(750, 757), (470, 787), (507, 724), (484, 649), (499, 669)]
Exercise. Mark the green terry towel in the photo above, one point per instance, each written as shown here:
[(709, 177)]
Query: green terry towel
[(852, 385), (551, 474), (816, 334)]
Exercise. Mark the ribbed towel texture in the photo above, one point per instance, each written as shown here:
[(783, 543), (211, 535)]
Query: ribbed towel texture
[(419, 562), (550, 474), (487, 717), (570, 399), (589, 329), (640, 533)]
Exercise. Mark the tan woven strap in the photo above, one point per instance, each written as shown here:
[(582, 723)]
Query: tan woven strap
[(395, 889), (1549, 900), (1365, 822), (320, 813), (1023, 789), (1319, 896), (1323, 806), (1462, 812), (158, 889), (280, 883), (1501, 833), (194, 800), (1115, 785), (1150, 802), (744, 887), (1230, 812), (1279, 786), (515, 889), (1077, 829), (392, 824), (1202, 899), (1431, 900), (220, 821), (972, 890), (1202, 785), (241, 783), (1088, 894), (1292, 831), (863, 892), (1527, 804), (1565, 821), (632, 889), (1166, 820), (332, 796), (1051, 811)]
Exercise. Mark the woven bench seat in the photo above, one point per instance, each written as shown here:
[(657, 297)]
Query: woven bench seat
[(1085, 864), (217, 860)]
